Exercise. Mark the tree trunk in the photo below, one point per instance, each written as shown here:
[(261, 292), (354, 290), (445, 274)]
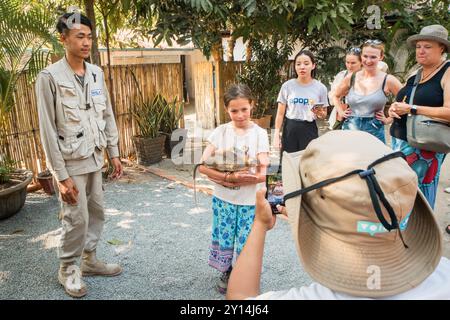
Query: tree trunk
[(217, 52), (231, 43), (111, 83), (248, 51), (95, 54)]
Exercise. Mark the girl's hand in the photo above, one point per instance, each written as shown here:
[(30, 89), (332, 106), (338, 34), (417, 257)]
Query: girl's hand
[(380, 116), (400, 108), (320, 112), (223, 183), (242, 176), (277, 142), (343, 114)]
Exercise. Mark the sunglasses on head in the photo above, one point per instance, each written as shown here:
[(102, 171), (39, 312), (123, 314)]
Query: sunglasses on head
[(354, 50), (375, 42)]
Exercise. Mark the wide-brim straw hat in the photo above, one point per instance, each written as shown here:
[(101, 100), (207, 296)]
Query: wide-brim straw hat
[(340, 241), (435, 32)]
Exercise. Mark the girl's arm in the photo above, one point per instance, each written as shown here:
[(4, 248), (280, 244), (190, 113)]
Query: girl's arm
[(212, 174), (281, 111)]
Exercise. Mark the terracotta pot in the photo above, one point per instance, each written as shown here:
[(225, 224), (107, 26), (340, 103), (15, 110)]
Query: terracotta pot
[(263, 122), (13, 198), (149, 150), (46, 181)]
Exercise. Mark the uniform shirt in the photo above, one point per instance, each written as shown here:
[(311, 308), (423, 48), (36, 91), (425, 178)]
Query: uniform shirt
[(435, 287), (299, 99), (75, 121), (224, 137)]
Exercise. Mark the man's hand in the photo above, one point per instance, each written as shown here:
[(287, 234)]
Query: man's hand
[(69, 191), (118, 169), (263, 212)]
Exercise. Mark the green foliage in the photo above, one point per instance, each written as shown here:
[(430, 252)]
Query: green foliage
[(173, 115), (24, 33), (149, 116), (264, 74), (6, 168)]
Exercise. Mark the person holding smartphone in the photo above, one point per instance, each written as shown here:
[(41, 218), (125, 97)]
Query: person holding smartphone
[(300, 102)]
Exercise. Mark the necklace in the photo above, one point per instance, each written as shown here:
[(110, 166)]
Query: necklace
[(424, 78)]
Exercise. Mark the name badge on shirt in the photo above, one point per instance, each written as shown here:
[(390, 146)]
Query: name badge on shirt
[(96, 92)]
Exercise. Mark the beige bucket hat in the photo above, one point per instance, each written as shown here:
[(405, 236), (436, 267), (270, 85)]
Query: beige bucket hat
[(341, 240), (434, 32)]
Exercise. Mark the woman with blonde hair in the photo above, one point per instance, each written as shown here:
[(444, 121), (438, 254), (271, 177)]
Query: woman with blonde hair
[(366, 93)]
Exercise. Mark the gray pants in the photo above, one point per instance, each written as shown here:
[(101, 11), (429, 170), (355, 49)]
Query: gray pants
[(82, 223)]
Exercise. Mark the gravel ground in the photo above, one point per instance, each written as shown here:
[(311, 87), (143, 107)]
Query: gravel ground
[(153, 229)]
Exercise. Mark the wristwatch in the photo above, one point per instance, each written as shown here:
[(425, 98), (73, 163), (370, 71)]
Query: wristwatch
[(413, 110)]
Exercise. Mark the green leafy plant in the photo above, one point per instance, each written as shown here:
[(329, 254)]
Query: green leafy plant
[(264, 74), (173, 115), (6, 169), (149, 116)]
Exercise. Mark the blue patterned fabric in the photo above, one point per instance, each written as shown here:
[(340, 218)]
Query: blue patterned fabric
[(231, 227), (426, 164)]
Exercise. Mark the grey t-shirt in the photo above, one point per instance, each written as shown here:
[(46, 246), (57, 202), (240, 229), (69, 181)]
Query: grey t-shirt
[(299, 99)]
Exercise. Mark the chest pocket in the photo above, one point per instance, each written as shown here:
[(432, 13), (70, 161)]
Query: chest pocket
[(71, 110), (67, 89), (99, 104)]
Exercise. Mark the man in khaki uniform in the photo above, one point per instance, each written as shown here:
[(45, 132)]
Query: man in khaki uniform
[(76, 123)]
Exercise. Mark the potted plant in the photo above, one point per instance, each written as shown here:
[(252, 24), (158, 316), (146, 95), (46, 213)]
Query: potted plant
[(264, 75), (45, 179), (170, 124), (149, 115), (13, 188)]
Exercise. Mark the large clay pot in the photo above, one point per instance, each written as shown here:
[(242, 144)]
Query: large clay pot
[(263, 122), (13, 198), (149, 150)]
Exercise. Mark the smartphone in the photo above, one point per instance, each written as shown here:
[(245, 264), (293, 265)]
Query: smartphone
[(274, 194)]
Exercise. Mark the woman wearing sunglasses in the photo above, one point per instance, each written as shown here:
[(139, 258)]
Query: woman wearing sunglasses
[(366, 93), (352, 64)]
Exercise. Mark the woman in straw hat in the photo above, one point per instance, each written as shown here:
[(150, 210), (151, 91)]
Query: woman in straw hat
[(432, 99), (362, 228)]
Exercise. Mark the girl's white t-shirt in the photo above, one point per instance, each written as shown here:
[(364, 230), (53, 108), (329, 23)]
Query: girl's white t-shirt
[(256, 140)]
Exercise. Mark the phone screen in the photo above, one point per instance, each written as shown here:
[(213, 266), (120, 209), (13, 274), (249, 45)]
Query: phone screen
[(275, 194)]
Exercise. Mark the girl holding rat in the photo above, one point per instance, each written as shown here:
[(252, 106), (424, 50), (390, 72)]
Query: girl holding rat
[(233, 202)]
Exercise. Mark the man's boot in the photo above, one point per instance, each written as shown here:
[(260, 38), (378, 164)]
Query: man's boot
[(90, 266), (69, 276)]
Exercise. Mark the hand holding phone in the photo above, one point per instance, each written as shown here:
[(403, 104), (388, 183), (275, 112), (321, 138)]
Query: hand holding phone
[(320, 110)]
